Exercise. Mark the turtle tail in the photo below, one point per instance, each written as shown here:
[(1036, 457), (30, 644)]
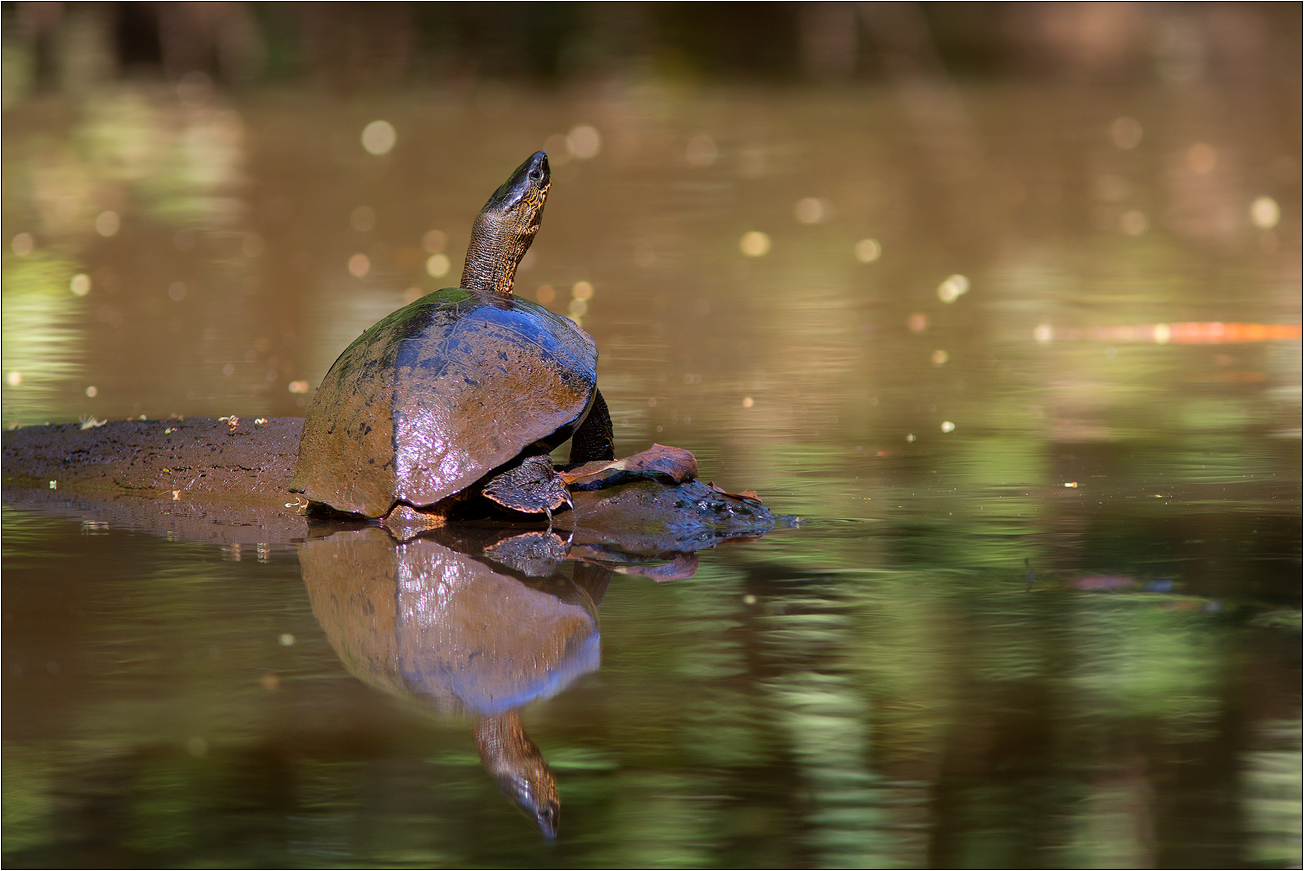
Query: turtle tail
[(593, 440)]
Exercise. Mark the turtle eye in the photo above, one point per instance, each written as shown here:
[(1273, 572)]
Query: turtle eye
[(536, 174)]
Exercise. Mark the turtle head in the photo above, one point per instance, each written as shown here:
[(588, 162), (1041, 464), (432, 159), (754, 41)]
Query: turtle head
[(505, 227), (517, 764)]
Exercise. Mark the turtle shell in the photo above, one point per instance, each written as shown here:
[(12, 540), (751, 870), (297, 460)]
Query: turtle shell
[(439, 393)]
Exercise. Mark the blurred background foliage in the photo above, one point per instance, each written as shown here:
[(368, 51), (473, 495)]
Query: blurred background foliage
[(351, 46)]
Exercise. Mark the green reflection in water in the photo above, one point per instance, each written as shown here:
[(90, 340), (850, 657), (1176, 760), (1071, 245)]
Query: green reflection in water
[(183, 163), (826, 723), (30, 797), (43, 351), (813, 700), (1272, 795), (1149, 658)]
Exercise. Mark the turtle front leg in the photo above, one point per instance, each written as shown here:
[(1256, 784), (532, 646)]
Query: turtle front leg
[(593, 439), (531, 487)]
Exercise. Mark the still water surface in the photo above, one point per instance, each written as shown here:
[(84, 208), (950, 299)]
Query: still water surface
[(1025, 361)]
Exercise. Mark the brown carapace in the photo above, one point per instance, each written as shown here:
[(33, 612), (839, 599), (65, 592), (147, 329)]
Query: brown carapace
[(461, 388)]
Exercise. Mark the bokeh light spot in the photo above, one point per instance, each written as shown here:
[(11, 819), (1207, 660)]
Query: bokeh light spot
[(23, 244), (582, 290), (107, 223), (701, 151), (379, 137), (811, 210), (754, 244), (868, 250), (437, 265), (359, 265), (584, 142), (1126, 133), (80, 284), (954, 287), (1201, 158), (177, 291), (545, 294), (434, 241), (1265, 213)]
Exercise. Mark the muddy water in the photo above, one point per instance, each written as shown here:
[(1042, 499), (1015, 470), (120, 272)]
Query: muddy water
[(1025, 360)]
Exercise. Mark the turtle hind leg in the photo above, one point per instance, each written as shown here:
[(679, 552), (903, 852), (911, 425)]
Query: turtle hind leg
[(532, 487), (593, 439)]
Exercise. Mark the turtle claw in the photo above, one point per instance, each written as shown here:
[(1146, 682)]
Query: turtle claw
[(566, 497)]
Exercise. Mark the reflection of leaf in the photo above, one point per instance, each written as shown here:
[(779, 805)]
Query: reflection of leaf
[(681, 568), (1103, 582), (676, 464)]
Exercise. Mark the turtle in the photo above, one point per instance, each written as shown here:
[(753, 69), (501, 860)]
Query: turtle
[(464, 391)]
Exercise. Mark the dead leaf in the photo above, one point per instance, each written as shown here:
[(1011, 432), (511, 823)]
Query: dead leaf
[(676, 464), (747, 495)]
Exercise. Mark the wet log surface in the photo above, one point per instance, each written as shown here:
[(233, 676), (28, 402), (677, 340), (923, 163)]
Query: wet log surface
[(198, 478), (227, 481)]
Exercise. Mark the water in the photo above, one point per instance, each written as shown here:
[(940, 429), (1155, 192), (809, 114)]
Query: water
[(1043, 433)]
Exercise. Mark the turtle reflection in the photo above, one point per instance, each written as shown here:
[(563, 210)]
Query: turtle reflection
[(457, 635)]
